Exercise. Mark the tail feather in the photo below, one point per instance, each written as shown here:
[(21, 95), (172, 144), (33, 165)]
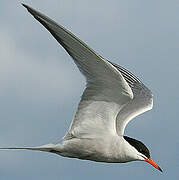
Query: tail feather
[(47, 148)]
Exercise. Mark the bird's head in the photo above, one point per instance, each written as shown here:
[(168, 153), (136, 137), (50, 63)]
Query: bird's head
[(143, 153)]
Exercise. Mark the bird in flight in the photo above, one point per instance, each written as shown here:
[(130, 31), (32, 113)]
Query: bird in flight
[(112, 97)]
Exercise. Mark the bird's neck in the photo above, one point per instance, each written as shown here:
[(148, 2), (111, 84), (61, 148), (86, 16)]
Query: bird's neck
[(121, 151)]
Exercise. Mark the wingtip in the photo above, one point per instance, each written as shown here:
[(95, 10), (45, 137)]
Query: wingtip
[(29, 9), (24, 5)]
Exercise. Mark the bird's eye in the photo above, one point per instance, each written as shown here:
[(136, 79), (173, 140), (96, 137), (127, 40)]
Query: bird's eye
[(140, 150)]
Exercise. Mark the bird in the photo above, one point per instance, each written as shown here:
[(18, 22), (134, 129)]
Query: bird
[(112, 98)]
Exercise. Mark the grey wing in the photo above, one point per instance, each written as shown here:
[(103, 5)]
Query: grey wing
[(106, 91), (141, 102)]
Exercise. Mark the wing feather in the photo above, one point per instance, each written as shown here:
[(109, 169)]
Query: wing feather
[(106, 91), (141, 102)]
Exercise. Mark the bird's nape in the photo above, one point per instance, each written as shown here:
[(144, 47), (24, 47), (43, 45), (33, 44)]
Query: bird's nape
[(138, 145)]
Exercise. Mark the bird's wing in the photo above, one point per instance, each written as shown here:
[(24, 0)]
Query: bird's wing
[(141, 102), (106, 91)]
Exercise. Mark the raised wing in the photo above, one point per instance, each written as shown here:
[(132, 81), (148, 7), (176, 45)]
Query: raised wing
[(106, 92), (141, 102)]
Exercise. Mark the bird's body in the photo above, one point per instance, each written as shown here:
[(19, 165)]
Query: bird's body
[(113, 96), (111, 149)]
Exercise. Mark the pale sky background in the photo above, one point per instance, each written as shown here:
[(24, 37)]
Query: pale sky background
[(40, 86)]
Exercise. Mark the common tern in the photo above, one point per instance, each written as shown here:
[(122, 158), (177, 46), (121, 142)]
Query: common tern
[(113, 96)]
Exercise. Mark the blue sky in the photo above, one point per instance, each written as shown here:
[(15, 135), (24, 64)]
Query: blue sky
[(40, 86)]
